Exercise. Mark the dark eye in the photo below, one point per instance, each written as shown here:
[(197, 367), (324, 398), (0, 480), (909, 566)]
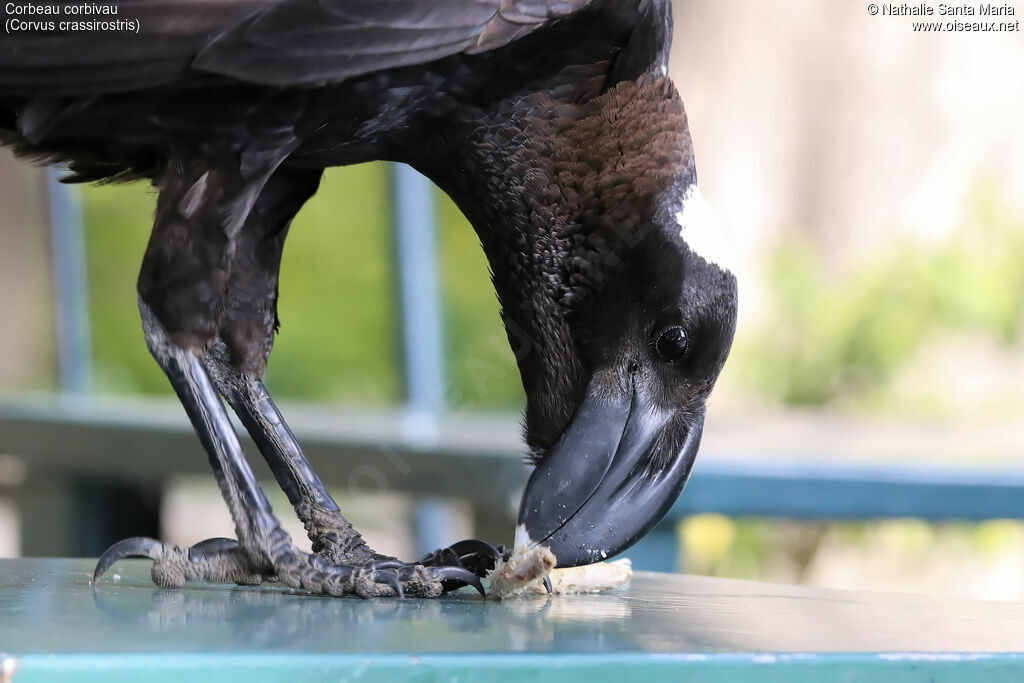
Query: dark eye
[(671, 344)]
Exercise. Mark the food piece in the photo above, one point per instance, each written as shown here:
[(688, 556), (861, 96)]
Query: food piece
[(526, 566), (523, 574)]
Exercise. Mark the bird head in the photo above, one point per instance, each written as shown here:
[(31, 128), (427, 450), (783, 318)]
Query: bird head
[(617, 298), (640, 349), (622, 309)]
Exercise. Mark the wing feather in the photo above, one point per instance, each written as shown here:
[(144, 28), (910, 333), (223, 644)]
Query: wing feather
[(269, 42), (333, 40), (171, 33)]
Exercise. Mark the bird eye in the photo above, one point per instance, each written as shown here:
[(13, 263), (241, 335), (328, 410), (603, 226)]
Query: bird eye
[(671, 344)]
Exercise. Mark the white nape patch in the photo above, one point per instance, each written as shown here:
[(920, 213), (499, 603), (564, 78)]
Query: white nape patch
[(700, 229)]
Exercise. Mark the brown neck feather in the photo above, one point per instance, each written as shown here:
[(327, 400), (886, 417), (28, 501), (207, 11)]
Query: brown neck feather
[(556, 191)]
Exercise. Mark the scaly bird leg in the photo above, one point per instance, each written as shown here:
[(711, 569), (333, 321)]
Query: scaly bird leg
[(332, 535), (237, 358), (264, 548), (209, 279)]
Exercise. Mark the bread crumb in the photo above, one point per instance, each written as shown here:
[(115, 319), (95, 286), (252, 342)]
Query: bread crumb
[(592, 578)]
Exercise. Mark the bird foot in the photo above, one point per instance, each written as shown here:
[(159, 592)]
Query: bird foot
[(224, 560), (336, 541), (472, 555)]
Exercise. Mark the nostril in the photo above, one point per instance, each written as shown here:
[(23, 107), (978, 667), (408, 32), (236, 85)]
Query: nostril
[(633, 367)]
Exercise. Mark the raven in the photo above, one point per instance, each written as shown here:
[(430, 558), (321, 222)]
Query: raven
[(553, 126)]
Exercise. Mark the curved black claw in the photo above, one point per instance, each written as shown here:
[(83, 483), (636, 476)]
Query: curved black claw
[(461, 576), (547, 584), (390, 578), (477, 557), (215, 545), (473, 546), (389, 563), (130, 547)]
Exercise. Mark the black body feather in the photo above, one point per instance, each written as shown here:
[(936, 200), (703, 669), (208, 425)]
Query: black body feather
[(551, 124)]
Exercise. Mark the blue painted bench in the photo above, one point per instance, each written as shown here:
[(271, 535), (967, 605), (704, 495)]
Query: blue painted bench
[(56, 628)]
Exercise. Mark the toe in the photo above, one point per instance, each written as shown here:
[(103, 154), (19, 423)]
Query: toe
[(129, 547), (457, 577), (389, 577)]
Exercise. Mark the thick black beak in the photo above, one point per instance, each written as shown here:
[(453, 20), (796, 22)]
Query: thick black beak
[(598, 491)]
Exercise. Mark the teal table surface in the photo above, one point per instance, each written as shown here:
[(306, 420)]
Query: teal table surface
[(54, 626)]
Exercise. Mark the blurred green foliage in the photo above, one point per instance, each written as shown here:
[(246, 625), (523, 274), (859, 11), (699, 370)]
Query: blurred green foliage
[(338, 338), (842, 336), (968, 559), (832, 337)]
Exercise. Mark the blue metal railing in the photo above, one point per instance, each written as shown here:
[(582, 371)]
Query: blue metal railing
[(422, 332), (833, 491), (103, 437), (67, 249)]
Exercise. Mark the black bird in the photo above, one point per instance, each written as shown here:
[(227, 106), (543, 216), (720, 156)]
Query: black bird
[(552, 125)]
